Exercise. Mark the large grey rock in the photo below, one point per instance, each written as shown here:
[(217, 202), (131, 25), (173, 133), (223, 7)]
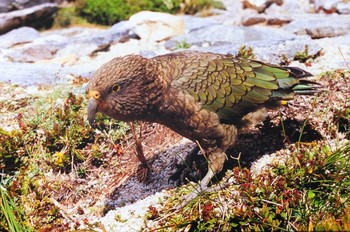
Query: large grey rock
[(34, 74), (219, 35), (40, 16), (72, 42), (90, 43), (18, 36), (196, 23), (271, 51), (270, 44), (320, 26)]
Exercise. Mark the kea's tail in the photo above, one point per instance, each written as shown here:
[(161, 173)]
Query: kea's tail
[(295, 83)]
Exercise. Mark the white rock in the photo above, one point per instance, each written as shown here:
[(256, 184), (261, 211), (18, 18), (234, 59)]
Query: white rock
[(156, 26)]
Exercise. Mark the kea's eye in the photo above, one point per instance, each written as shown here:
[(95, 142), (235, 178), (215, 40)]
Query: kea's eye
[(116, 88)]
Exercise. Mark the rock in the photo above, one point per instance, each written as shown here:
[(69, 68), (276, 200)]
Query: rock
[(18, 36), (269, 44), (156, 26), (194, 23), (343, 7), (270, 51), (290, 8), (249, 20), (260, 5), (336, 52), (11, 5), (278, 20), (277, 51), (40, 16), (219, 35), (67, 44), (320, 26), (271, 19), (27, 74), (213, 35), (329, 6), (33, 53), (36, 74), (91, 43)]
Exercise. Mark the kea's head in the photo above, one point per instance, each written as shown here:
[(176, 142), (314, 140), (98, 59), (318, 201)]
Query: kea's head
[(126, 88)]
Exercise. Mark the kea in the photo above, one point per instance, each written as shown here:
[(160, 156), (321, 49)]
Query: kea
[(202, 96)]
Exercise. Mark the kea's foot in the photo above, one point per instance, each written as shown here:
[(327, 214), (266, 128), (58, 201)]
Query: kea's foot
[(186, 170), (216, 161)]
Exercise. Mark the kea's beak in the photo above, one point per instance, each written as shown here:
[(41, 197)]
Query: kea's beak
[(92, 109), (92, 106)]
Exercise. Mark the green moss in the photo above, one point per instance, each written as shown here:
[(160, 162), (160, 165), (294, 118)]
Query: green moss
[(108, 12)]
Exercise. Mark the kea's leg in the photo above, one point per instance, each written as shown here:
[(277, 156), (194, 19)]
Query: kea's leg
[(216, 160), (180, 173)]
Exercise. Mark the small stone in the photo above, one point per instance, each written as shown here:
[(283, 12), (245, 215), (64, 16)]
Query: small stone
[(253, 19), (156, 26), (278, 20)]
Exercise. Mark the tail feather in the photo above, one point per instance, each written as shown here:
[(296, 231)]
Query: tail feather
[(292, 85), (298, 72), (306, 87), (300, 86)]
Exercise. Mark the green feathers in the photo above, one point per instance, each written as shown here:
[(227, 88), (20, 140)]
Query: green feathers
[(234, 87)]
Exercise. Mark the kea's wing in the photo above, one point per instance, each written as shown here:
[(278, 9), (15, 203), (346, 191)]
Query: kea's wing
[(231, 87)]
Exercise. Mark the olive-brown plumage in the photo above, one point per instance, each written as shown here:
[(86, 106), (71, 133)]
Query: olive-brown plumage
[(201, 96)]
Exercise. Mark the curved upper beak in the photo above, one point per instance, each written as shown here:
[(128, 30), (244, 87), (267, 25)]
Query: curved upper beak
[(94, 97), (92, 109)]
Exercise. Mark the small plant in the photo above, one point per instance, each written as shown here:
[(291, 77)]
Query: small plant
[(284, 59), (194, 6), (304, 56), (11, 216), (67, 16), (182, 45), (245, 53)]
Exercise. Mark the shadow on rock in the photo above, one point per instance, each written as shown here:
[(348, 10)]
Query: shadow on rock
[(251, 146)]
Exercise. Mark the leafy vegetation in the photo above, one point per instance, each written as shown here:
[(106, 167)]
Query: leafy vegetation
[(50, 134), (67, 16), (301, 56), (298, 194), (108, 12), (182, 45)]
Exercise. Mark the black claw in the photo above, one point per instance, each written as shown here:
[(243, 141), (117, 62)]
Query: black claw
[(184, 171)]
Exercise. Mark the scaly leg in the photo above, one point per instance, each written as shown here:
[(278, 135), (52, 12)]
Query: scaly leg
[(216, 160)]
